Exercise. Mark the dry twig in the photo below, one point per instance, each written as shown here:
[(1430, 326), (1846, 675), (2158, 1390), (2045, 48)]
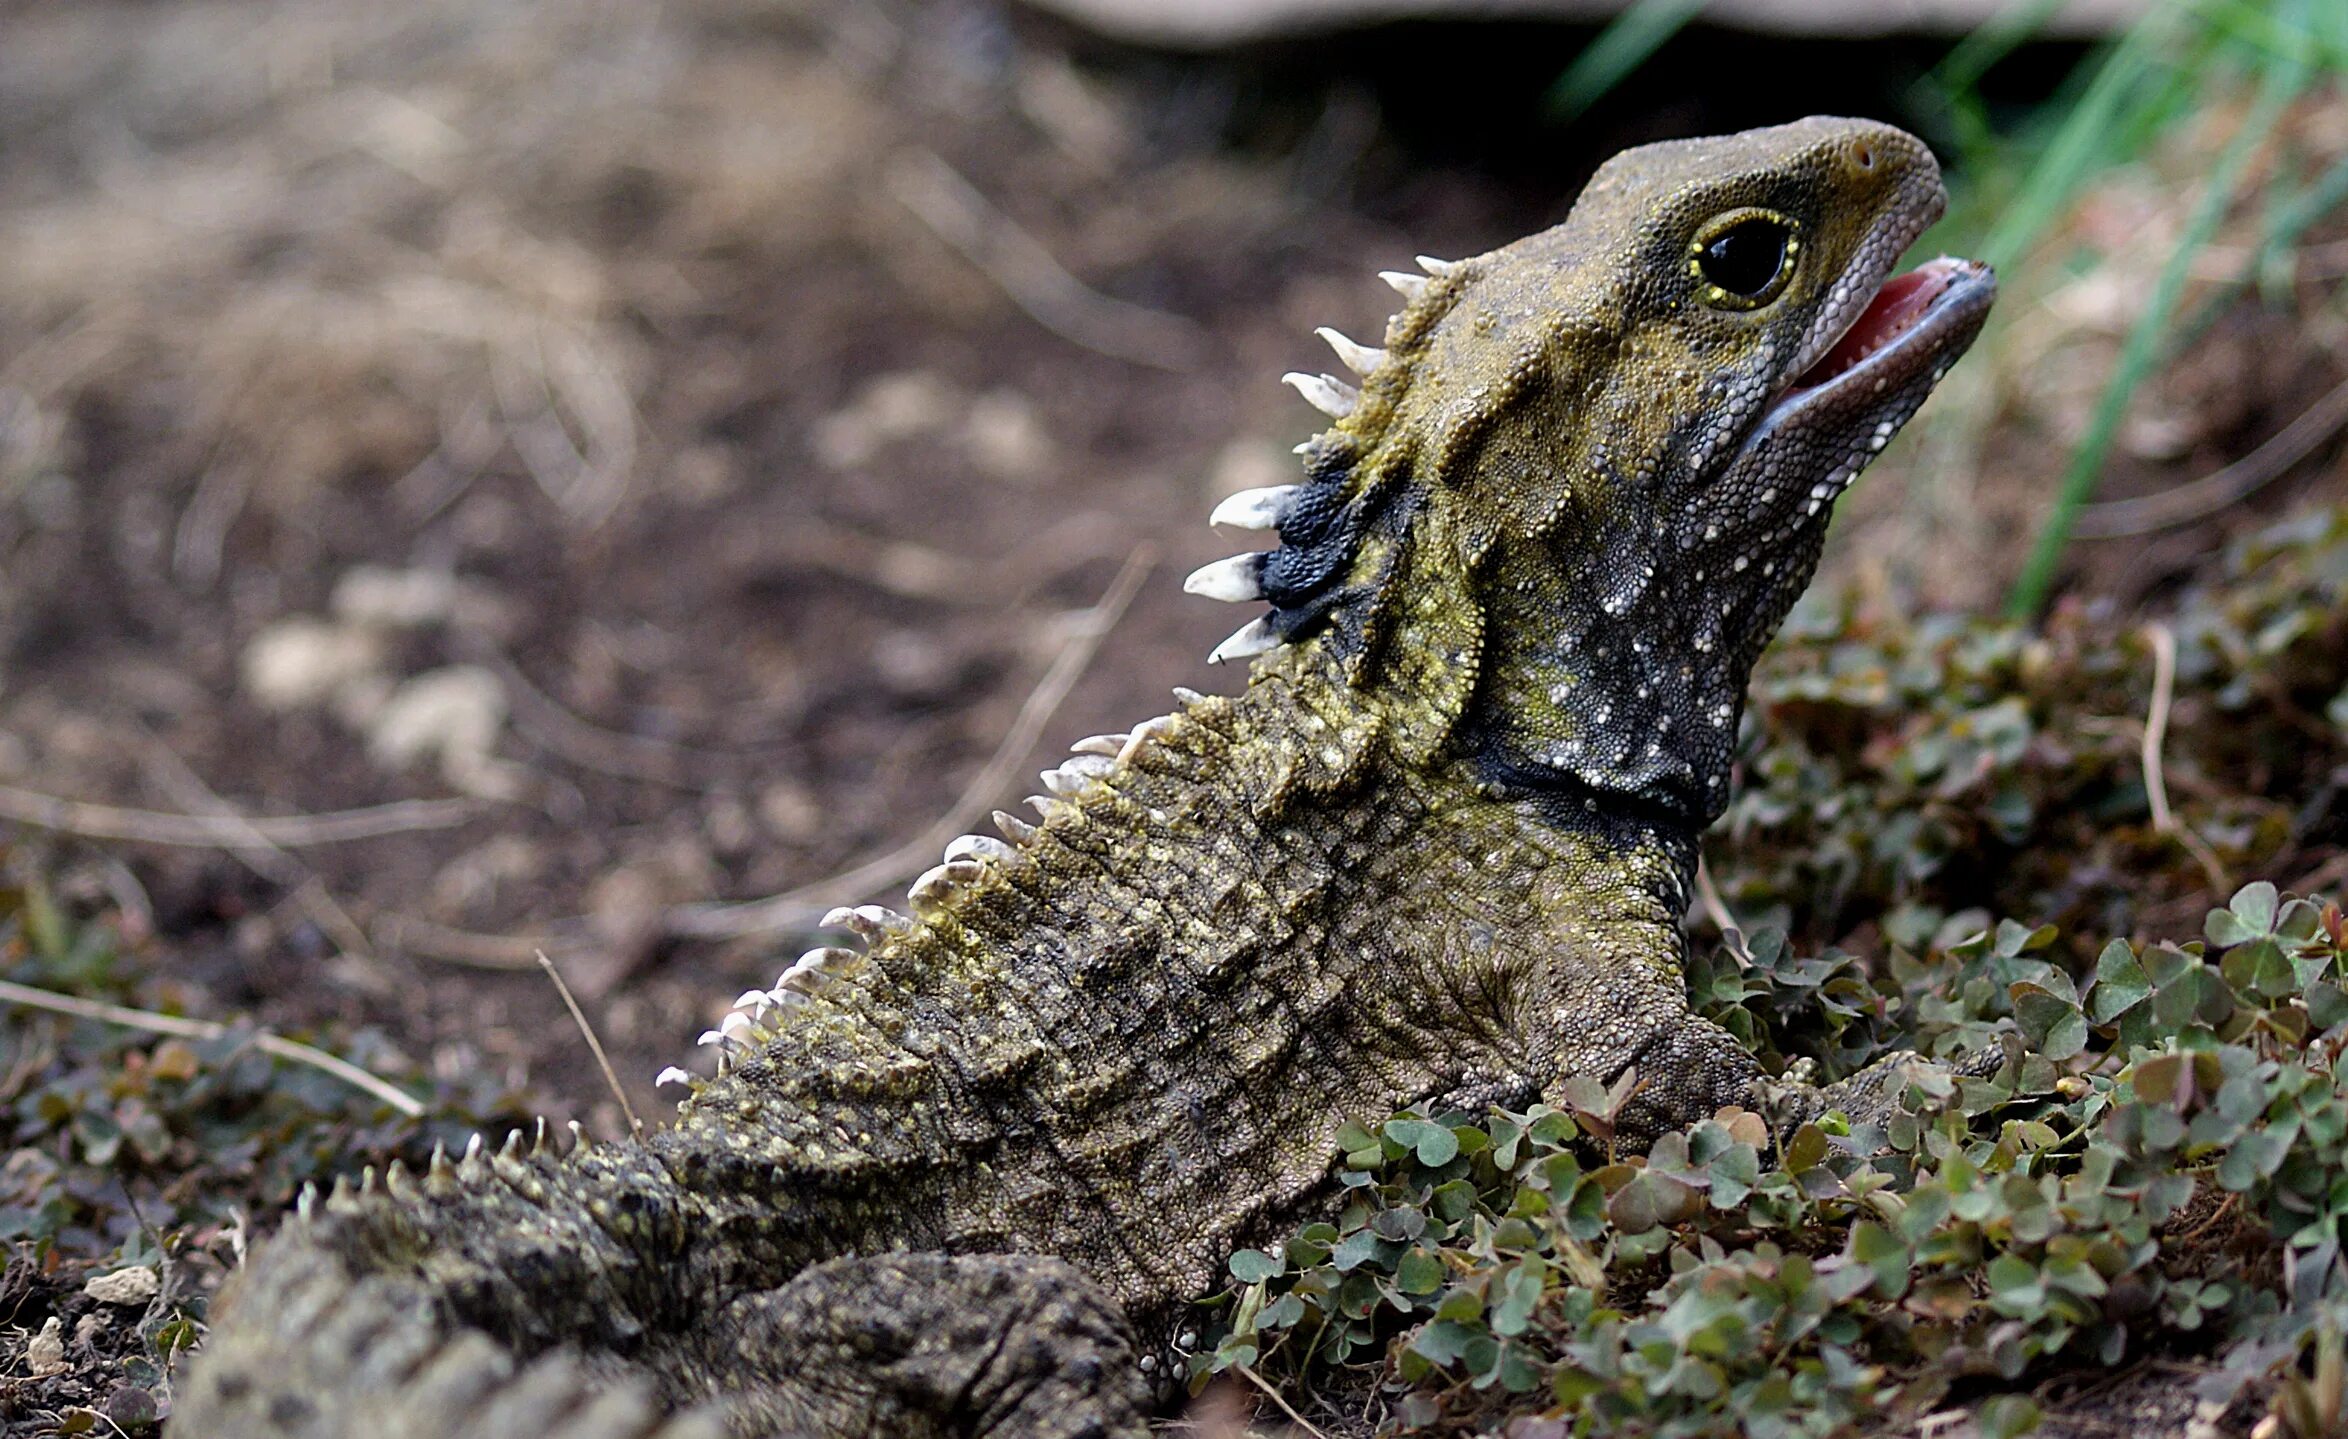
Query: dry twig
[(801, 908), (411, 935), (291, 831), (1286, 1408), (2156, 723), (264, 1041), (958, 214), (2118, 519), (1716, 909)]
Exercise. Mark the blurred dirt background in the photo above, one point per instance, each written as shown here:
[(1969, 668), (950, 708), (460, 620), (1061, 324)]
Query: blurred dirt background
[(661, 449)]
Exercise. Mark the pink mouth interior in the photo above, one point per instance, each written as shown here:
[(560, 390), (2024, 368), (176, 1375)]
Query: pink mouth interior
[(1895, 309)]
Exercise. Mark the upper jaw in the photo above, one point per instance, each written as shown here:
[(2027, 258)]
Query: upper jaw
[(1870, 268)]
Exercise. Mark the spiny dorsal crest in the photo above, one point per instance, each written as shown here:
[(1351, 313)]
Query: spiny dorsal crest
[(758, 1016), (1322, 523)]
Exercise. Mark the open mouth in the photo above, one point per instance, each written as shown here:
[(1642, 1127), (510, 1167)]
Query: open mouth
[(1915, 322)]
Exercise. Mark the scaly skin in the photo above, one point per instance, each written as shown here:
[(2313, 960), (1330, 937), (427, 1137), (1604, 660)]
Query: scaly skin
[(1437, 852)]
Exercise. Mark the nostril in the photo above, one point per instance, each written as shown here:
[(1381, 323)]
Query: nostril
[(1864, 154)]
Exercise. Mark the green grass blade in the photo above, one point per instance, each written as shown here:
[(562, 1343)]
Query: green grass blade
[(2080, 145), (1951, 90), (1960, 71), (1622, 47), (2281, 83)]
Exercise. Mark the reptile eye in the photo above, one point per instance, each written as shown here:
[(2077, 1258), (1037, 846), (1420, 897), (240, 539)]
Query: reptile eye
[(1745, 258)]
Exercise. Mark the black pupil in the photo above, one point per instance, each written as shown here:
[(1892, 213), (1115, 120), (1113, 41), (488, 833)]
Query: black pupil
[(1746, 257)]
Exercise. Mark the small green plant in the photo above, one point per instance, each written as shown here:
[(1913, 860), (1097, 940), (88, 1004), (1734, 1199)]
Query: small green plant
[(114, 1135), (1905, 779), (2158, 1164), (124, 1151)]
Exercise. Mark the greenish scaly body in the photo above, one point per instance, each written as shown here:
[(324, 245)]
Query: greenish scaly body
[(961, 1179)]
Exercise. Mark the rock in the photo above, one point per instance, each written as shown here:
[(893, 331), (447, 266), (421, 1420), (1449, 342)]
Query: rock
[(455, 713), (137, 1284), (302, 661), (1006, 439), (891, 408), (44, 1354), (131, 1408)]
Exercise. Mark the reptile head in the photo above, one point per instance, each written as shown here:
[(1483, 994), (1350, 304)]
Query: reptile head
[(1590, 472)]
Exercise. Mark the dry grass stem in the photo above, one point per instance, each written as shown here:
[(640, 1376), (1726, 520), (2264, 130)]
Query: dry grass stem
[(602, 1061), (1273, 1394), (800, 908), (1716, 910), (2119, 519), (958, 214), (270, 861), (153, 1023), (2156, 730), (292, 831), (427, 940), (2156, 723)]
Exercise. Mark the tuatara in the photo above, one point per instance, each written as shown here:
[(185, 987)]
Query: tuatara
[(960, 1177)]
